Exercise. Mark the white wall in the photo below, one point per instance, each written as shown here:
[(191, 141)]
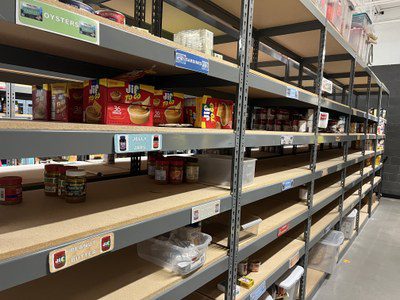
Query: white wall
[(387, 51)]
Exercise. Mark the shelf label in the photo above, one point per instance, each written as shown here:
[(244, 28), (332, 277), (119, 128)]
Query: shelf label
[(287, 139), (130, 143), (288, 184), (259, 291), (50, 18), (204, 211), (294, 260), (283, 229), (76, 253), (190, 61), (326, 230), (292, 93), (327, 85)]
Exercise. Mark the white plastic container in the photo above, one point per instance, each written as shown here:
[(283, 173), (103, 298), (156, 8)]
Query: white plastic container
[(324, 255), (216, 169), (288, 283), (182, 259), (349, 223)]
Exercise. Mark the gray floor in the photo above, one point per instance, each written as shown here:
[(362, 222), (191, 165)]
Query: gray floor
[(373, 267)]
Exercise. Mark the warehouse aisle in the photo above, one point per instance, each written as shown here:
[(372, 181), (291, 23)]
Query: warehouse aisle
[(372, 269)]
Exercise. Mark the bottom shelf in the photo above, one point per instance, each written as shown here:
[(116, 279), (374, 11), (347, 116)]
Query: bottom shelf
[(315, 279), (346, 245)]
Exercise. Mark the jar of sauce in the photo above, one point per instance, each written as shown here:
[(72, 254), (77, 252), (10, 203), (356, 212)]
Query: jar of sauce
[(75, 186), (51, 175), (192, 172), (176, 170), (151, 165), (162, 171), (10, 190), (63, 177)]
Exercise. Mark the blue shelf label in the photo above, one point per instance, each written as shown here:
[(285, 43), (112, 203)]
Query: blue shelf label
[(259, 291), (288, 184), (189, 61), (130, 143), (292, 93)]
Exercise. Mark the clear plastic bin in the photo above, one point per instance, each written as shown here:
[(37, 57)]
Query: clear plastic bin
[(357, 39), (348, 224), (322, 5), (346, 19), (166, 253), (361, 20), (324, 255), (334, 13), (216, 169), (288, 283)]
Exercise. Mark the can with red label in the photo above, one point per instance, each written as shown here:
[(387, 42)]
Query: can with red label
[(10, 190), (111, 15)]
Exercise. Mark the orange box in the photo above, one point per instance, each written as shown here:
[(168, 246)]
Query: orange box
[(108, 101), (214, 113), (67, 102)]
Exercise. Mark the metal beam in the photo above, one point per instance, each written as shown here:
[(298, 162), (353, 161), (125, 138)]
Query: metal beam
[(329, 58), (289, 29), (275, 63)]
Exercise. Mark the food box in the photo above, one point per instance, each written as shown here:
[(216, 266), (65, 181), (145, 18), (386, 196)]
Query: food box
[(214, 113), (41, 102), (190, 111), (67, 102), (168, 107), (108, 101)]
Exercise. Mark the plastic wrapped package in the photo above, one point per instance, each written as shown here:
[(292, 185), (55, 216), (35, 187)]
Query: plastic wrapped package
[(197, 39), (175, 254), (324, 255), (288, 283), (348, 224)]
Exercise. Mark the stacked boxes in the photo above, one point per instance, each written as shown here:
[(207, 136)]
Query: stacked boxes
[(67, 102)]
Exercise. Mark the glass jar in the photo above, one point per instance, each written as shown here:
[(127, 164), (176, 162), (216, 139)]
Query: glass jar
[(62, 178), (192, 172), (162, 170), (176, 170), (151, 165), (75, 186), (51, 175), (10, 190)]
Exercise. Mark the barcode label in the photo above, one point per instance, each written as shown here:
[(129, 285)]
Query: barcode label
[(286, 139), (2, 194)]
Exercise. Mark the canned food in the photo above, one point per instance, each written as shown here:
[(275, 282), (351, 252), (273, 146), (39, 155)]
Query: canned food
[(78, 4), (111, 15)]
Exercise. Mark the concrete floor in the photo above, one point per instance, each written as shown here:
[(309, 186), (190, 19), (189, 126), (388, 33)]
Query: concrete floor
[(373, 267)]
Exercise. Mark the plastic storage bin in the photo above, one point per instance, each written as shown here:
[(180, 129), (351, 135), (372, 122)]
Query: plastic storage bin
[(216, 169), (324, 255), (288, 283), (322, 5), (348, 224), (173, 254), (334, 13), (361, 20), (346, 19)]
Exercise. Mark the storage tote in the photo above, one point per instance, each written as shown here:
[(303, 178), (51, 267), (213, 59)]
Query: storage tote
[(348, 224)]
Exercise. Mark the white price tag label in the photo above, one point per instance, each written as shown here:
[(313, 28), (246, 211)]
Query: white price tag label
[(287, 139), (292, 93), (327, 85), (259, 291), (206, 210), (294, 260)]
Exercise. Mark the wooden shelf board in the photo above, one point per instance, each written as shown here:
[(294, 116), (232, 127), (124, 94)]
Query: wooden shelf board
[(272, 258), (118, 275), (345, 243), (314, 278)]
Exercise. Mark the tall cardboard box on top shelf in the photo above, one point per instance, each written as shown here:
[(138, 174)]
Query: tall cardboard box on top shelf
[(67, 102), (108, 101)]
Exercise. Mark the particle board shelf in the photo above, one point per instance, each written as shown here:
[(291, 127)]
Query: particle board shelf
[(346, 245), (363, 219), (32, 175), (315, 279), (275, 260), (121, 275), (374, 207)]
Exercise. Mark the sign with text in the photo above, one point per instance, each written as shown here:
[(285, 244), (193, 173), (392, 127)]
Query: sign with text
[(189, 61), (131, 143), (287, 139), (76, 253), (50, 18), (292, 93), (327, 85), (204, 211)]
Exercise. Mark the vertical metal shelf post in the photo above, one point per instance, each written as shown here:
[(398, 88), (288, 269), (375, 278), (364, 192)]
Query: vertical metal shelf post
[(246, 28), (139, 19), (313, 158), (10, 101), (364, 142), (156, 17), (381, 171), (375, 147)]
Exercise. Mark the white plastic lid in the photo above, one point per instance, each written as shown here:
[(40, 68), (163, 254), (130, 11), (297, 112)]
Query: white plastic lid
[(75, 173), (333, 238), (288, 281), (353, 214)]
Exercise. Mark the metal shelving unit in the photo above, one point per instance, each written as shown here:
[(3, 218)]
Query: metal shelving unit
[(244, 77)]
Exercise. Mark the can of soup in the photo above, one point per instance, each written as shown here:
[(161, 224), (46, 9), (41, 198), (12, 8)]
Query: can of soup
[(78, 4)]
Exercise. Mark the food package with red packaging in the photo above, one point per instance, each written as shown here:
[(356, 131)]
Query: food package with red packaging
[(168, 107), (214, 113), (190, 111), (117, 102), (41, 102), (67, 102)]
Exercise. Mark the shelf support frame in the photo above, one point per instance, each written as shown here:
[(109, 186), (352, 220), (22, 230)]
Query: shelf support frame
[(140, 13), (246, 28), (156, 17)]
